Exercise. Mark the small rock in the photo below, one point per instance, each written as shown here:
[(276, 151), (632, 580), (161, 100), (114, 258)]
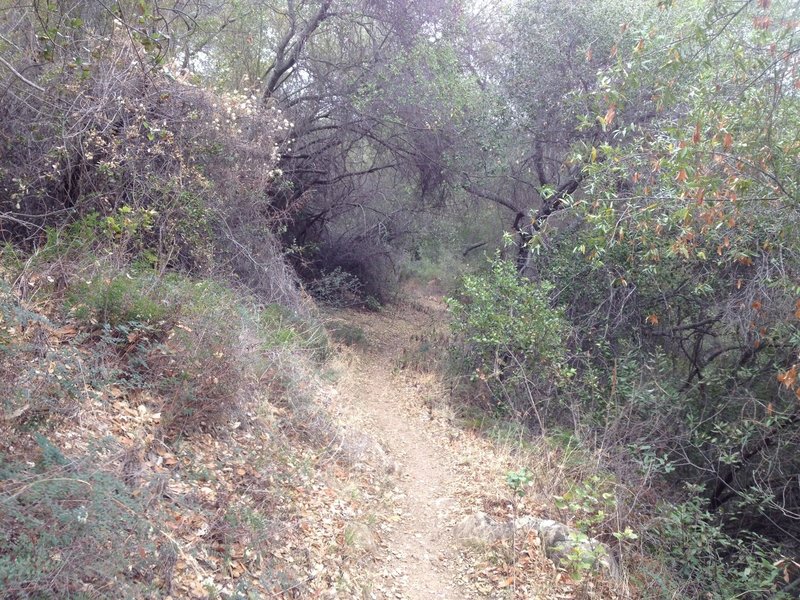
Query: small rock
[(479, 529), (361, 537), (558, 540)]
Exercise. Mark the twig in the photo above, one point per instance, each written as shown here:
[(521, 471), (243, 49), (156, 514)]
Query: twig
[(46, 480), (20, 76)]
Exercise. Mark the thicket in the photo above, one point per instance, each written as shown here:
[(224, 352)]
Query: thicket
[(104, 144), (513, 339), (141, 271), (675, 270)]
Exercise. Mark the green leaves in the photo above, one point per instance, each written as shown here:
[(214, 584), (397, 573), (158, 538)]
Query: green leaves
[(502, 312), (518, 481), (591, 502)]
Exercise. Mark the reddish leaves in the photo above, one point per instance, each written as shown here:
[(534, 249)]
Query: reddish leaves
[(762, 22), (696, 135), (788, 378), (727, 141), (610, 114)]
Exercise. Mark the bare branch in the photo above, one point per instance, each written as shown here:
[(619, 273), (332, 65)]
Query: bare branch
[(20, 76)]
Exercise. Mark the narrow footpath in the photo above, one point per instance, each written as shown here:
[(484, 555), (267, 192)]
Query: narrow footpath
[(396, 405), (440, 472)]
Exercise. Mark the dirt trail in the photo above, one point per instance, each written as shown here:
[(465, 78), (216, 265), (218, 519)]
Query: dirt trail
[(396, 406)]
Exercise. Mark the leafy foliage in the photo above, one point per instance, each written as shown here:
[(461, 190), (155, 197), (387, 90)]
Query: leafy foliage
[(123, 299), (509, 331), (714, 562), (113, 150), (644, 154)]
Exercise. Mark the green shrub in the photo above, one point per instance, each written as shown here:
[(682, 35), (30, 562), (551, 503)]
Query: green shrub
[(212, 359), (199, 374), (122, 298), (38, 378), (717, 565), (198, 368), (280, 328), (197, 347), (69, 530), (508, 329), (592, 502)]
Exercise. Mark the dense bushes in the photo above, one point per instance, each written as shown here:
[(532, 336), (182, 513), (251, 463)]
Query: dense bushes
[(677, 272), (123, 184), (690, 541), (109, 141), (511, 336), (625, 398)]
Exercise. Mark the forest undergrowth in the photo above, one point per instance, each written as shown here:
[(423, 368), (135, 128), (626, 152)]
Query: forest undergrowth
[(171, 438)]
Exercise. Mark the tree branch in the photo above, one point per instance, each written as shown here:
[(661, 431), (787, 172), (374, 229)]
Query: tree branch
[(20, 76)]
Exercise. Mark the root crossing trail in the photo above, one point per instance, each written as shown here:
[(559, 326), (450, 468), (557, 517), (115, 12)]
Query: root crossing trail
[(396, 405)]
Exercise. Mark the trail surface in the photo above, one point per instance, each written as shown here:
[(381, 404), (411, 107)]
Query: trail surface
[(397, 407)]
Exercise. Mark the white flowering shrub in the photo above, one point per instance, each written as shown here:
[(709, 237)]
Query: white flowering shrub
[(147, 163)]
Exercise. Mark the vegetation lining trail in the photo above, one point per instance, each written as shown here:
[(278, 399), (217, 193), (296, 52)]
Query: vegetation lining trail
[(443, 473), (176, 175)]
